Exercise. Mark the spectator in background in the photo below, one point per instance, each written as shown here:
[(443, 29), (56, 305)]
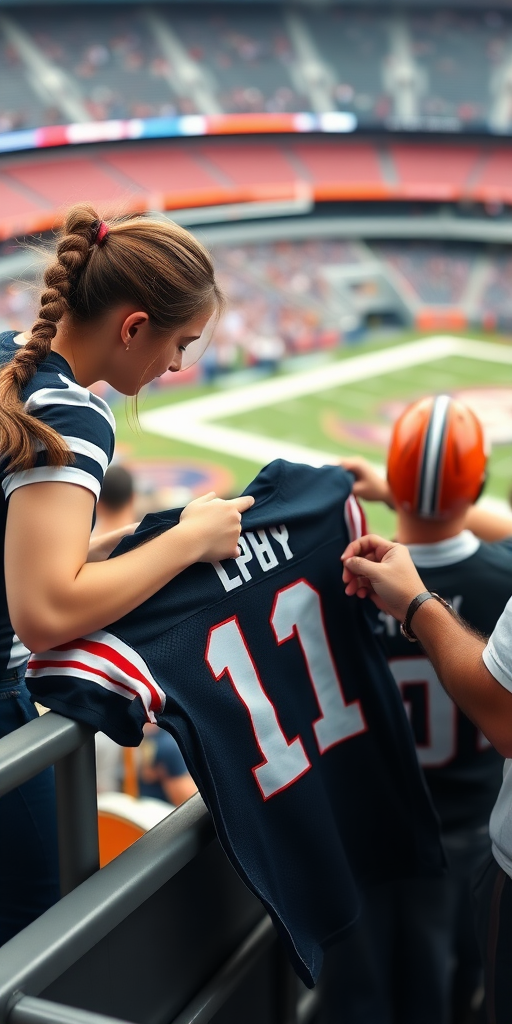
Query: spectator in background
[(162, 772), (115, 507)]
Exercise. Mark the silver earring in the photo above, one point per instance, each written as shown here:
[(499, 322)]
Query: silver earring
[(127, 347)]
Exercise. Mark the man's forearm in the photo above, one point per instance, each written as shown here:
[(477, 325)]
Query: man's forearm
[(456, 654)]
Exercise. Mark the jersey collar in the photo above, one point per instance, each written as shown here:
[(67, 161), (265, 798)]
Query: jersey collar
[(444, 552)]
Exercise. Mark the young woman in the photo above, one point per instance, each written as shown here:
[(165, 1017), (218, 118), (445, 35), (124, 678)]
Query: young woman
[(121, 304)]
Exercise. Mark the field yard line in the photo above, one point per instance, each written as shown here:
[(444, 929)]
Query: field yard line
[(486, 351), (251, 447), (294, 385), (191, 420)]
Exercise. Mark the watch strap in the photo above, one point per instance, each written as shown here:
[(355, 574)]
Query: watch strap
[(405, 626)]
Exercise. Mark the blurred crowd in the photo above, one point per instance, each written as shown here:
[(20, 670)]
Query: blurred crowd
[(119, 65), (283, 300)]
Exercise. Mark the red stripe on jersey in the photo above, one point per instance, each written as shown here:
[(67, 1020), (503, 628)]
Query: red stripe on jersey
[(84, 668), (110, 654), (356, 526)]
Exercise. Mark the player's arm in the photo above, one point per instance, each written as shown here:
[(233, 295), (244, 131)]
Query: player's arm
[(370, 484), (384, 571), (488, 525), (55, 594)]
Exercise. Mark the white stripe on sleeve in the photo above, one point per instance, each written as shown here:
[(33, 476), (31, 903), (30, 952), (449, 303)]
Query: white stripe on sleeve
[(51, 474), (106, 661), (72, 394), (92, 451)]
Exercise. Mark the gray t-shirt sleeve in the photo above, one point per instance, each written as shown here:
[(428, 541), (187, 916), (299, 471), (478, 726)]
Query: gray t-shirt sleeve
[(497, 655)]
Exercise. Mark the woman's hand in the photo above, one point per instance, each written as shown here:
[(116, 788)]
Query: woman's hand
[(215, 525), (369, 484), (384, 571)]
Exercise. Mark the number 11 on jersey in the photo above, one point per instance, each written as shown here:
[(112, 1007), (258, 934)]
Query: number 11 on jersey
[(297, 612)]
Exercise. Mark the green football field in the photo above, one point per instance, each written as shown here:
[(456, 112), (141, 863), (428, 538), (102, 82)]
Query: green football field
[(332, 419)]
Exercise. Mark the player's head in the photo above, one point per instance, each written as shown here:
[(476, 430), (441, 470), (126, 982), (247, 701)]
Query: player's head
[(436, 459), (145, 287)]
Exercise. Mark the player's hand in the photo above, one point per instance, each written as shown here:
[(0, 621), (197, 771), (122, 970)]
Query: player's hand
[(215, 525), (384, 571), (369, 484)]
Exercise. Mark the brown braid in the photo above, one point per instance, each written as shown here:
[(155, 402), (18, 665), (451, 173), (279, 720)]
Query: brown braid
[(20, 433)]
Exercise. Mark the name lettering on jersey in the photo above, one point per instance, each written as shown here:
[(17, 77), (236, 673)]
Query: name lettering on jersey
[(391, 627), (255, 547)]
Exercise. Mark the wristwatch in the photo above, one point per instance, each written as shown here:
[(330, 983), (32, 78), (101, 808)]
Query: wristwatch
[(405, 626)]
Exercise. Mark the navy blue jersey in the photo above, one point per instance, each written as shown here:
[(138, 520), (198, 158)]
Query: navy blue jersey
[(88, 427), (281, 700), (463, 771)]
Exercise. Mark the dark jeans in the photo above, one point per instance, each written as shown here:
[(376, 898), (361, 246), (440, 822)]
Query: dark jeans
[(493, 912), (415, 942), (29, 877)]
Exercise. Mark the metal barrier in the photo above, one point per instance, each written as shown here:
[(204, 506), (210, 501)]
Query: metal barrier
[(206, 940), (69, 745)]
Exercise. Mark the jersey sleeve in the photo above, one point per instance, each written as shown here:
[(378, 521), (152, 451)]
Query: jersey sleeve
[(497, 656), (87, 426), (100, 680)]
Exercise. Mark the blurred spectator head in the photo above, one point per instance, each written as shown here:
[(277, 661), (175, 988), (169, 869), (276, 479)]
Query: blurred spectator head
[(116, 500)]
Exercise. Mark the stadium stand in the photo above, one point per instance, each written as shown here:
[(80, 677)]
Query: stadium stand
[(247, 54), (445, 70), (20, 106), (290, 297), (458, 51), (437, 274), (354, 45), (175, 174)]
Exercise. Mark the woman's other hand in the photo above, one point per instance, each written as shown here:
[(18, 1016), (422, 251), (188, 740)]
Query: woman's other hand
[(216, 525), (369, 484), (384, 571)]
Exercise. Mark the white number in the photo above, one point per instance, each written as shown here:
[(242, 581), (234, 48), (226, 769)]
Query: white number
[(283, 761), (297, 612), (440, 746)]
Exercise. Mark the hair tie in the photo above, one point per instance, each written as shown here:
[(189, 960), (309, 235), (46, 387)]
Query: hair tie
[(101, 234)]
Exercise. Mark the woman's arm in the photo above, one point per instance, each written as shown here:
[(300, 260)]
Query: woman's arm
[(384, 571), (54, 594)]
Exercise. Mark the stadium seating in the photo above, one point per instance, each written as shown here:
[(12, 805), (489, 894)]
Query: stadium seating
[(135, 62), (204, 172), (283, 299)]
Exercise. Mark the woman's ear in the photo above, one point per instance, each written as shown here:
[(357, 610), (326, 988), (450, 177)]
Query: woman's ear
[(130, 326)]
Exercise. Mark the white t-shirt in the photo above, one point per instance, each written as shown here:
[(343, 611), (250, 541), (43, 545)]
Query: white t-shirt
[(498, 659)]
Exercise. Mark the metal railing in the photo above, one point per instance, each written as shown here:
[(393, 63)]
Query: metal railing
[(68, 745), (96, 902)]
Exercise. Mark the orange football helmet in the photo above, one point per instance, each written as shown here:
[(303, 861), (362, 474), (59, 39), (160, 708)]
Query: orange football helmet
[(437, 458)]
